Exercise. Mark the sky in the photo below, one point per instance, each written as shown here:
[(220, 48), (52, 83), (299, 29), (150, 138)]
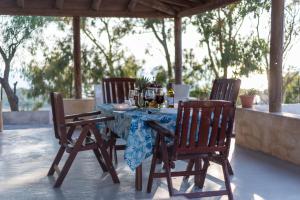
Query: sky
[(136, 45)]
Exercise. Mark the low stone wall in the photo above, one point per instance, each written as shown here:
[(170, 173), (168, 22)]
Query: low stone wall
[(26, 118), (75, 106), (277, 134)]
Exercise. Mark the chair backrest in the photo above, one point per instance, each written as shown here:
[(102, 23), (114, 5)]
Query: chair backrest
[(225, 89), (203, 126), (58, 117), (115, 90)]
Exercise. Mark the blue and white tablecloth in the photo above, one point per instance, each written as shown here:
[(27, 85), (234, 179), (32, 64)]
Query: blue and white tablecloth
[(130, 126)]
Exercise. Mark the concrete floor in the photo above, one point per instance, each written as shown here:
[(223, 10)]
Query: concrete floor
[(26, 154)]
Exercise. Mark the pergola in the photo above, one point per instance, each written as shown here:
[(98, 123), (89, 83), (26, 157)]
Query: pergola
[(151, 9)]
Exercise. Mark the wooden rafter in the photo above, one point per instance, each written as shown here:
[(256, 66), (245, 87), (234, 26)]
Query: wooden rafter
[(177, 3), (132, 4), (96, 4), (157, 5), (109, 8), (21, 3), (59, 4), (202, 7)]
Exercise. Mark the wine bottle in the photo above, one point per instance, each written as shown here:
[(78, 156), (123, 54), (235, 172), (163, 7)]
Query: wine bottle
[(170, 96)]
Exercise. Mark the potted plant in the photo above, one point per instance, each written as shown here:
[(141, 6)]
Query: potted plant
[(248, 97)]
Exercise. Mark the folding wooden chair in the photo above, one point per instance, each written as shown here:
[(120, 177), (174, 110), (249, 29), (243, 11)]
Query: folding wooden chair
[(223, 89), (89, 139), (203, 131), (116, 90)]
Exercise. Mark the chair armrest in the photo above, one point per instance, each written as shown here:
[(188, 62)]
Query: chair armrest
[(89, 121), (160, 129), (82, 115)]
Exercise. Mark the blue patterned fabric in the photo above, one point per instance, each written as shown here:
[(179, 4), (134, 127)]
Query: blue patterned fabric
[(130, 126)]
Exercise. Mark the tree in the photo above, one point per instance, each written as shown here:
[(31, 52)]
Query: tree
[(97, 60), (163, 33), (15, 32), (106, 35), (226, 47), (293, 89), (56, 74), (291, 30)]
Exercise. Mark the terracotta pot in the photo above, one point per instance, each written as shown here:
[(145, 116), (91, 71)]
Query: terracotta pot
[(247, 101)]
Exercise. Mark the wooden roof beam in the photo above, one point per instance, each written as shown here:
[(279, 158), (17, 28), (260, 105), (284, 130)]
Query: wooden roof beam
[(96, 4), (157, 5), (203, 7), (59, 4), (21, 3), (177, 3), (132, 5)]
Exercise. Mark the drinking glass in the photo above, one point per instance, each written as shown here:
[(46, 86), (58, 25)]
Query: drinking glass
[(149, 95), (132, 94), (159, 97)]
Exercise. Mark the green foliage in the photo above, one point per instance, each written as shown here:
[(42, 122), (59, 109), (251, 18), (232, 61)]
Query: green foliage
[(101, 60), (160, 75), (225, 46), (56, 74), (201, 93), (15, 32), (250, 92), (109, 56), (193, 71), (292, 92), (142, 83), (37, 106), (163, 32)]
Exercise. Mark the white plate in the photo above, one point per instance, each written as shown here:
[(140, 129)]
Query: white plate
[(123, 107)]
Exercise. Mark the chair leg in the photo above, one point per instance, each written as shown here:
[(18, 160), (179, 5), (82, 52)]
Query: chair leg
[(105, 155), (189, 168), (100, 160), (109, 164), (227, 180), (230, 170), (66, 168), (166, 162), (56, 161), (116, 156), (152, 170), (71, 157), (169, 178), (111, 152), (204, 172), (198, 167)]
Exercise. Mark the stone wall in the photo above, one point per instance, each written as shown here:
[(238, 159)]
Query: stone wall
[(26, 118), (277, 134), (75, 106)]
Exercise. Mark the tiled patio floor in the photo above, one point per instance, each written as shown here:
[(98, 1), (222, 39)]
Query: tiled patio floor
[(26, 154)]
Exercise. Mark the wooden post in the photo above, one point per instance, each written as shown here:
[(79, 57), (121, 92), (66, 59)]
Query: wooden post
[(77, 57), (178, 51), (276, 51)]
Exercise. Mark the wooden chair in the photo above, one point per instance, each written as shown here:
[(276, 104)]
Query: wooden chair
[(89, 139), (203, 131), (223, 89), (116, 90)]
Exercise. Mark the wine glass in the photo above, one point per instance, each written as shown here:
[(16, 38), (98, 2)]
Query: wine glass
[(159, 97), (132, 97), (149, 95)]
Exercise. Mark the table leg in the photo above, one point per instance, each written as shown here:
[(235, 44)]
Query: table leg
[(139, 178)]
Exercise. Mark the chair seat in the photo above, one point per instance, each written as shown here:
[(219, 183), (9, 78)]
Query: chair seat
[(189, 156)]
